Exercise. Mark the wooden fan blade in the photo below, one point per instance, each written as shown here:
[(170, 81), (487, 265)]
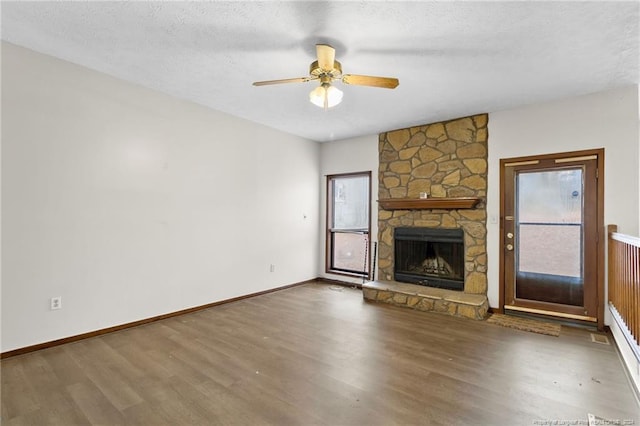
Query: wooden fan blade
[(326, 56), (368, 80), (286, 80)]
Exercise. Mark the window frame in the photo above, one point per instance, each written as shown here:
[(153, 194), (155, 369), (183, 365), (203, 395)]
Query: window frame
[(329, 232)]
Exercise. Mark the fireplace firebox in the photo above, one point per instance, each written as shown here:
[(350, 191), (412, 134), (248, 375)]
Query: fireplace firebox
[(431, 257)]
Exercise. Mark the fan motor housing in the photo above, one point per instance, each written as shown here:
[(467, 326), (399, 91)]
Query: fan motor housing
[(316, 71)]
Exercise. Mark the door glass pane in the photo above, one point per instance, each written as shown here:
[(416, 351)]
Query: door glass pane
[(351, 202), (549, 233)]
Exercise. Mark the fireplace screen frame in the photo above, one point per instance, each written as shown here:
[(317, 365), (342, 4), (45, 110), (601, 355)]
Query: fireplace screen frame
[(430, 235)]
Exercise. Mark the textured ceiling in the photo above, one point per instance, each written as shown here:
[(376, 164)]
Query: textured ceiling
[(452, 58)]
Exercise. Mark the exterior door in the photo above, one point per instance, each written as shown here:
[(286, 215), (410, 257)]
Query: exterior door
[(550, 235)]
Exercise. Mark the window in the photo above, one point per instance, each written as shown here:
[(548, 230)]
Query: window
[(348, 223)]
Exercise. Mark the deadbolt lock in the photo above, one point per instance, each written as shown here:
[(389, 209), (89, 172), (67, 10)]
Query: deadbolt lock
[(509, 235)]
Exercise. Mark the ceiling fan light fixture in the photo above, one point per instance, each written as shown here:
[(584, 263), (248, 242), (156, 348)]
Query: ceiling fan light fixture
[(325, 70), (325, 96)]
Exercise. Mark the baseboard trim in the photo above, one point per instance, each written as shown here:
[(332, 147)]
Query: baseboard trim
[(627, 339), (624, 329), (70, 339)]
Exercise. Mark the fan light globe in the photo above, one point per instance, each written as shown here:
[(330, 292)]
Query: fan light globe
[(325, 96)]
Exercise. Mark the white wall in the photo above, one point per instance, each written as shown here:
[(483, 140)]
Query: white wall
[(347, 156), (129, 203), (606, 120)]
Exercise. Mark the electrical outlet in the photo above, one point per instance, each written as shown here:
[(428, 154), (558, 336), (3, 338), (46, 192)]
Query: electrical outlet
[(272, 268), (56, 303)]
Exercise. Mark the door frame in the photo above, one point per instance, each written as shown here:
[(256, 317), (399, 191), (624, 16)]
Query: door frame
[(600, 231)]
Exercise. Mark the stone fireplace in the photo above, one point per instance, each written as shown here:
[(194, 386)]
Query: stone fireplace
[(444, 161)]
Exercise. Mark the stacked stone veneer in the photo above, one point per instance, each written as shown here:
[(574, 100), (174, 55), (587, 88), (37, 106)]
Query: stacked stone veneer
[(447, 159)]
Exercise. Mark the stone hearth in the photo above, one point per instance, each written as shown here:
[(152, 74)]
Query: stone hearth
[(421, 298)]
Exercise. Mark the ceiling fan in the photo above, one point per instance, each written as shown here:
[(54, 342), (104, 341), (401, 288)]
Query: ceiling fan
[(326, 69)]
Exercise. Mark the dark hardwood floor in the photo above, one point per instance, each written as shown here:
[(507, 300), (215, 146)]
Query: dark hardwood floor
[(311, 355)]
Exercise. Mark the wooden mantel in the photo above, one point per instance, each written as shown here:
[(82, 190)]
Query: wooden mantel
[(429, 203)]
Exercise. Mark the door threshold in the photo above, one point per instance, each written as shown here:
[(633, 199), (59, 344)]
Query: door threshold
[(550, 313)]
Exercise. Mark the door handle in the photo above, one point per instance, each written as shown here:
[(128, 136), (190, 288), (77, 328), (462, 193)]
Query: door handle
[(510, 247)]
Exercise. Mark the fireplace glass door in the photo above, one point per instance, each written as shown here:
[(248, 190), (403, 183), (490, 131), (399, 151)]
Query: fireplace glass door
[(432, 257)]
